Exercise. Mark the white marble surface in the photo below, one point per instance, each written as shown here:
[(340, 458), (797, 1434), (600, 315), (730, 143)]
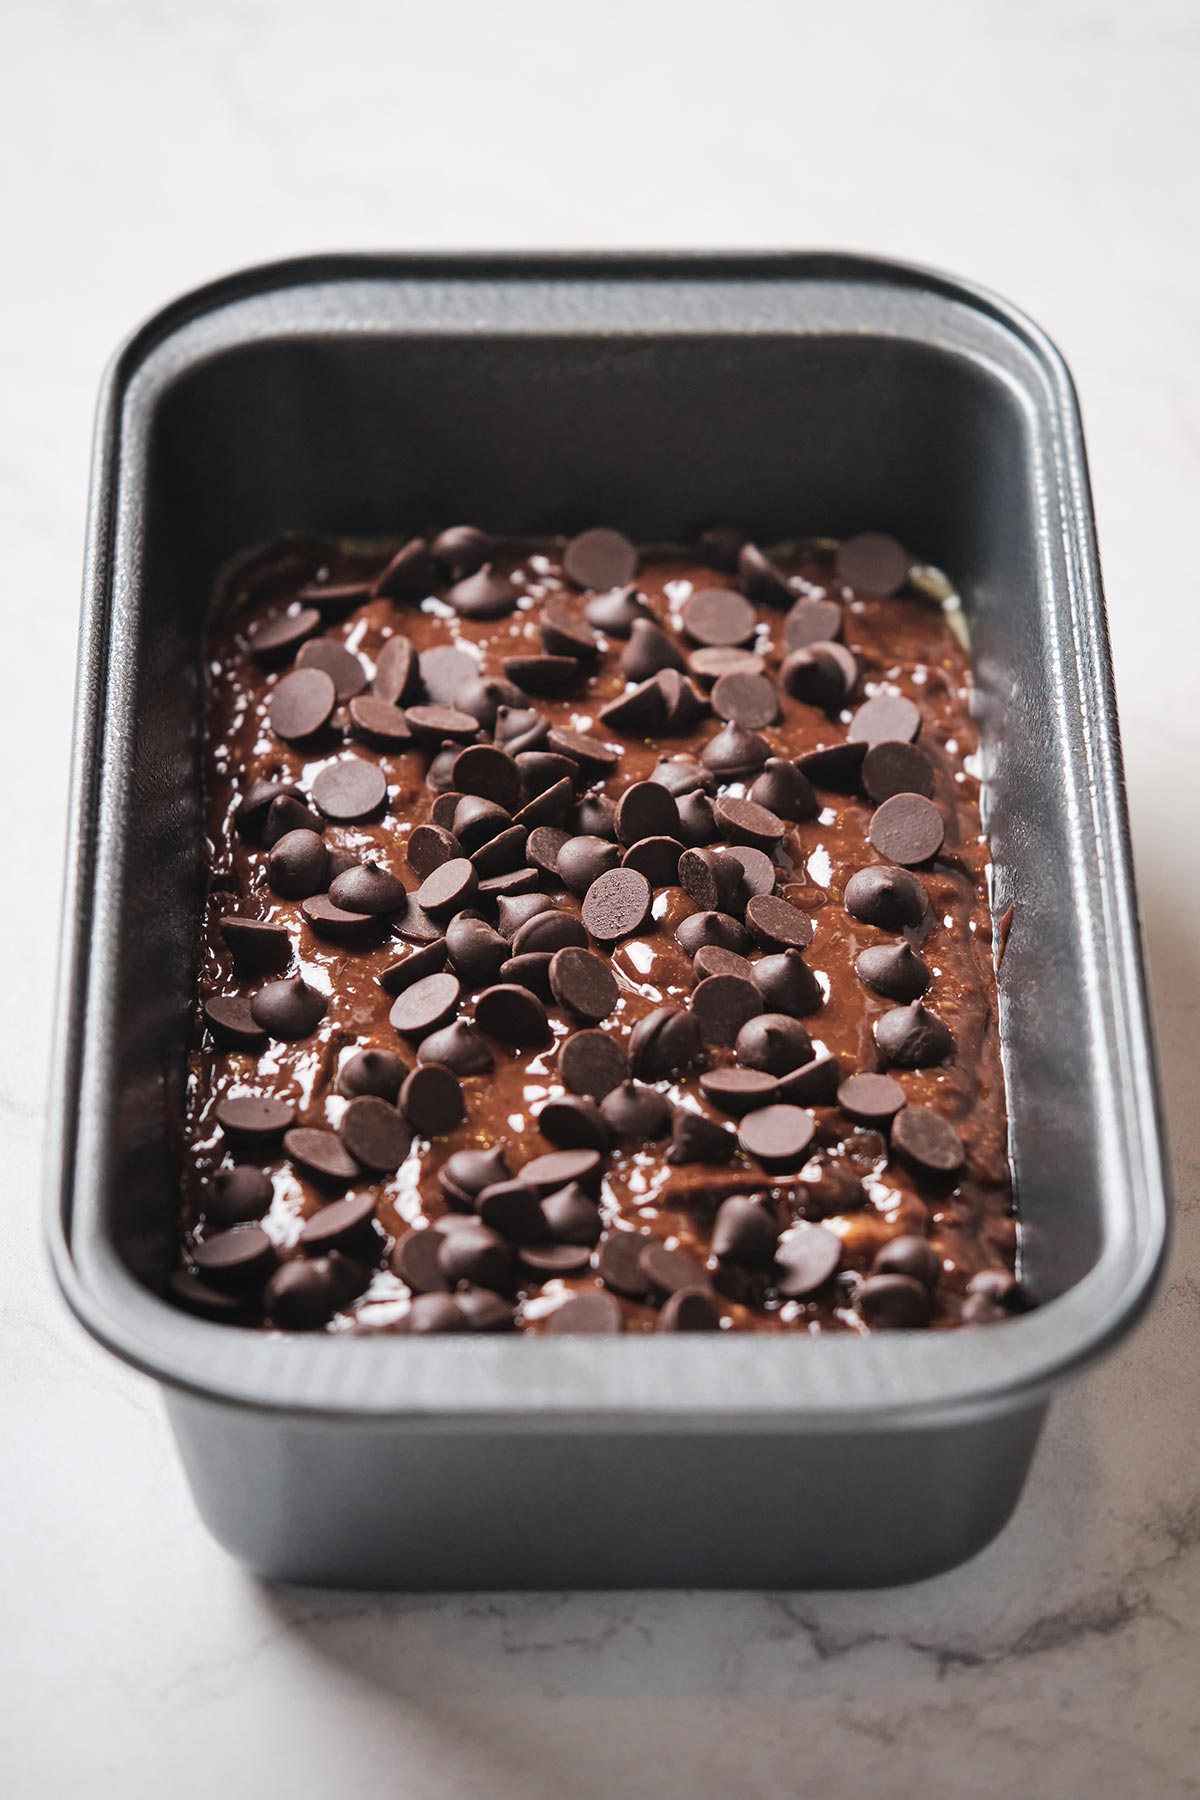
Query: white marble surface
[(1049, 149)]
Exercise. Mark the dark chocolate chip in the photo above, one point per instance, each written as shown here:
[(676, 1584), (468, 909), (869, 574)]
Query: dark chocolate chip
[(237, 1196), (657, 858), (341, 665), (543, 847), (437, 724), (722, 1004), (746, 699), (892, 767), (785, 791), (646, 809), (232, 1023), (298, 865), (911, 1037), (648, 651), (397, 673), (476, 951), (285, 814), (444, 670), (557, 1259), (477, 821), (812, 622), (479, 1256), (664, 1042), (894, 1303), (448, 889), (758, 871), (512, 910), (461, 549), (277, 637), (592, 1063), (773, 1041), (492, 774), (680, 775), (670, 1270), (334, 922), (999, 1288), (698, 1139), (713, 959), (689, 1309), (302, 704), (321, 1155), (514, 1015), (735, 754), (595, 1314), (595, 815), (893, 970), (305, 1292), (253, 809), (562, 635), (719, 617), (927, 1142), (415, 1260), (466, 1173), (711, 661), (501, 854), (377, 1072), (697, 822), (530, 970), (429, 847), (616, 904), (744, 1232), (635, 1114), (600, 558), (777, 1136), (819, 675), (738, 1091), (551, 932), (367, 888), (548, 677), (487, 594), (513, 1211), (746, 822), (871, 1099), (814, 1084), (911, 1256), (427, 961), (334, 596), (595, 759), (684, 705), (889, 898), (711, 929), (378, 721), (873, 563), (837, 767), (614, 613), (519, 729), (542, 770), (436, 1314), (806, 1257), (573, 1122), (428, 1003), (558, 1167), (238, 1258), (908, 829), (619, 1263), (548, 807), (350, 790), (288, 1009), (640, 712), (439, 776), (484, 1311), (712, 878), (408, 575), (254, 1118), (571, 1217), (760, 578), (582, 981), (431, 1100), (788, 985), (777, 924), (375, 1134), (888, 718), (516, 881)]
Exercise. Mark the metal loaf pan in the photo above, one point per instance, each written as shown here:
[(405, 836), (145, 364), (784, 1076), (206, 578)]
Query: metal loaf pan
[(793, 394)]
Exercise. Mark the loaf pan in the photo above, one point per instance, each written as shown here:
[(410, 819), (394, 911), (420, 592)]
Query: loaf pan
[(805, 393)]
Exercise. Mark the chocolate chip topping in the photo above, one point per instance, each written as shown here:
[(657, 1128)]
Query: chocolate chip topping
[(777, 924), (927, 1142), (873, 563), (894, 1303), (461, 549), (321, 1155), (777, 1136), (908, 829), (289, 1008), (812, 622), (889, 898), (894, 970), (350, 789), (721, 1006), (806, 1257), (484, 595), (425, 1005), (514, 1015), (600, 558), (871, 1099), (593, 1063), (773, 1041), (719, 617), (912, 1037), (583, 983), (341, 665), (617, 904), (892, 767), (377, 1072), (664, 1042), (745, 1233), (431, 1100), (278, 637)]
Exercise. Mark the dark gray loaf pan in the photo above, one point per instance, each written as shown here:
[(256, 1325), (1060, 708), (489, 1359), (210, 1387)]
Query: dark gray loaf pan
[(793, 394)]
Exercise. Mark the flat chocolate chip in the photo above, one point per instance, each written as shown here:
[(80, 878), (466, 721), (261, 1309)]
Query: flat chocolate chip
[(233, 1025), (711, 661), (911, 1256), (712, 930), (759, 577), (927, 1142), (893, 970), (350, 790), (615, 613), (646, 809), (375, 1134), (893, 767), (238, 1258), (871, 1099), (888, 718), (378, 721), (698, 1139), (595, 759), (543, 846), (397, 674), (367, 888), (635, 1114), (774, 1042), (750, 700), (408, 575), (573, 1122), (334, 596), (894, 1303), (719, 617), (619, 1263), (787, 984), (254, 1118), (744, 1232), (487, 594), (722, 1004), (617, 904), (438, 723), (889, 898), (457, 1046), (275, 638), (912, 1037), (341, 665), (547, 1173), (237, 1196), (873, 563), (837, 767), (490, 773), (600, 558), (475, 950), (783, 790), (513, 1015), (814, 1084), (288, 1009), (321, 1155), (431, 1100), (738, 1091), (777, 1136), (806, 1257), (689, 1309), (415, 1260), (657, 858), (812, 622), (669, 1270), (429, 847), (907, 829), (594, 1314), (745, 822), (450, 887), (549, 931), (583, 982), (649, 651), (302, 703), (664, 1042), (334, 922), (424, 1006), (758, 871), (592, 1063), (298, 865), (461, 549), (735, 754), (377, 1072), (777, 924)]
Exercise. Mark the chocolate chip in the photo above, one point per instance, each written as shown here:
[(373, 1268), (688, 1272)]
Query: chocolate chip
[(548, 807), (669, 1270), (562, 635), (711, 661), (285, 814), (788, 985), (436, 724), (889, 898), (543, 847), (341, 665), (894, 1303), (697, 824), (448, 889), (239, 1258), (556, 1259), (583, 982), (573, 1122), (437, 1314), (516, 881), (429, 847), (758, 871), (466, 1173), (615, 613), (907, 829), (635, 1114), (304, 1293), (773, 1041), (415, 1260), (408, 575), (431, 1100), (501, 854), (664, 1042), (487, 594), (513, 1211), (350, 790), (439, 776), (334, 596), (549, 677), (777, 1136), (735, 754), (689, 1309), (375, 1134), (288, 1009), (812, 622), (335, 923), (571, 1217), (253, 809), (276, 637), (596, 816), (640, 712), (646, 809), (806, 1257), (698, 1139), (549, 931), (912, 1037), (377, 1072), (722, 1004), (719, 617), (815, 1084), (616, 904), (737, 1091), (911, 1256), (600, 558), (479, 1256), (888, 718), (649, 651), (475, 950), (592, 1062), (424, 1006), (720, 544), (444, 670), (684, 705), (555, 1170), (927, 1142), (513, 1015), (490, 774), (378, 721), (746, 822), (873, 563), (367, 888), (298, 865), (999, 1288), (777, 924), (594, 1314), (657, 858), (680, 775), (894, 970), (871, 1099), (715, 930), (321, 1155), (750, 700), (530, 970), (712, 878), (820, 675), (231, 1022), (759, 577), (461, 549), (302, 704), (744, 1232), (513, 910), (519, 729), (596, 760), (619, 1263), (891, 767), (238, 1195), (837, 766), (254, 1118)]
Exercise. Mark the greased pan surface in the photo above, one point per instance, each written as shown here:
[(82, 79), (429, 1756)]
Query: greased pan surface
[(800, 393)]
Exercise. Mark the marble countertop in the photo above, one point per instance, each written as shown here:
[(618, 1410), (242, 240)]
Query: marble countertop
[(1048, 150)]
